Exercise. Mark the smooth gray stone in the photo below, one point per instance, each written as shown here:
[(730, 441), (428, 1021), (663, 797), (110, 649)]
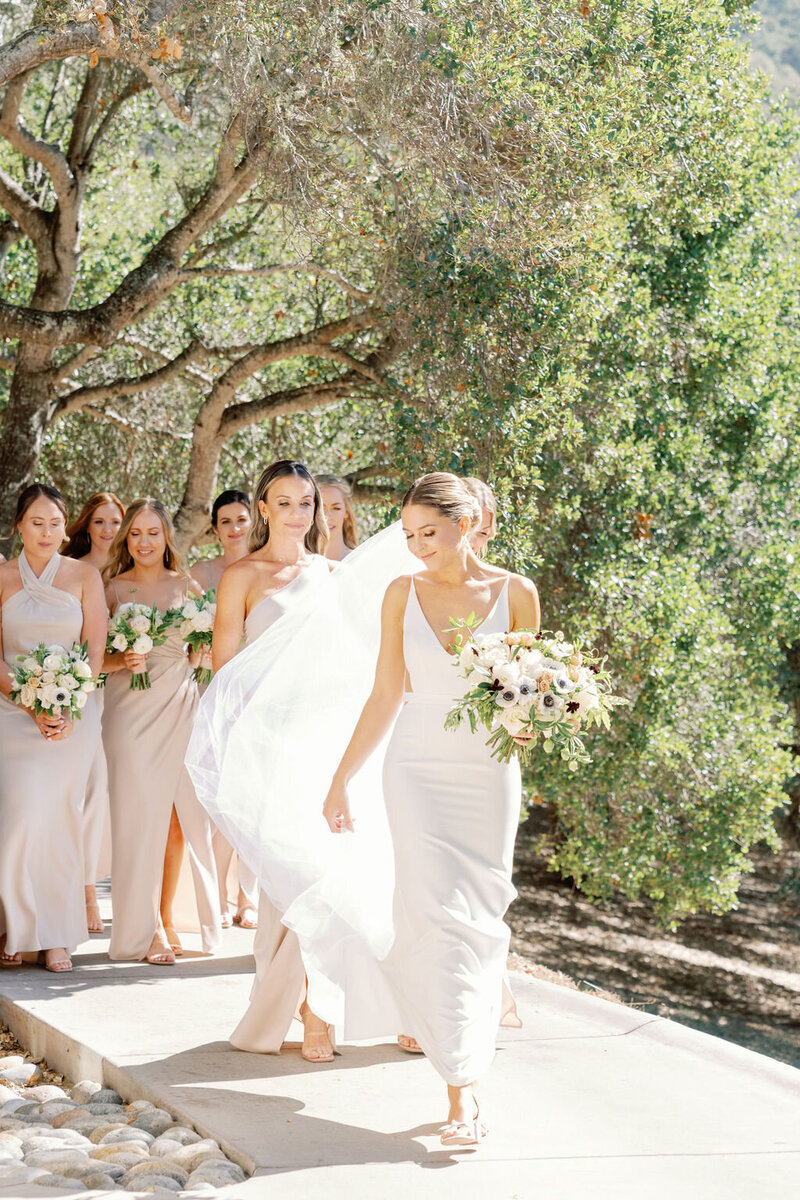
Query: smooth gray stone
[(11, 1105), (127, 1134), (7, 1123), (191, 1156), (131, 1150), (61, 1181), (154, 1122), (6, 1094), (54, 1108), (219, 1171), (27, 1106), (152, 1183), (16, 1173), (83, 1091), (104, 1108), (107, 1096), (123, 1158), (100, 1181), (182, 1134), (60, 1137), (139, 1106), (56, 1160), (100, 1131), (159, 1167)]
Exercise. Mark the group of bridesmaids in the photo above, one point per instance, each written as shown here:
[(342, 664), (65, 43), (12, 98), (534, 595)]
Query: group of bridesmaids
[(126, 755)]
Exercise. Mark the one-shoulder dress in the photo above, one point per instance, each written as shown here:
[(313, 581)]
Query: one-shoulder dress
[(42, 783)]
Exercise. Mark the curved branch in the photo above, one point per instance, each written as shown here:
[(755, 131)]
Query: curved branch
[(284, 403), (212, 272), (25, 211), (117, 388), (24, 142)]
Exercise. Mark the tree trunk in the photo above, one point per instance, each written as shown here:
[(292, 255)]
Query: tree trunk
[(29, 412)]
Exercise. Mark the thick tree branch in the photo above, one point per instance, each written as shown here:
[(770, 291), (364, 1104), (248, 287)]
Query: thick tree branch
[(347, 360), (25, 211), (85, 113), (117, 388), (286, 402), (133, 89), (74, 363), (24, 142)]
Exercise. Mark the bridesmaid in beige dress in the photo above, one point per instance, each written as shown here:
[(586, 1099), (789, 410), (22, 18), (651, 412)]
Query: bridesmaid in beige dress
[(44, 760), (145, 735), (90, 537), (230, 520), (286, 538)]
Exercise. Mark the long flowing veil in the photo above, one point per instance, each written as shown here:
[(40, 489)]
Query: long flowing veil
[(269, 734)]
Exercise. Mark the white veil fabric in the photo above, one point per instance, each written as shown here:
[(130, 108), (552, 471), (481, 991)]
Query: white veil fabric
[(269, 735)]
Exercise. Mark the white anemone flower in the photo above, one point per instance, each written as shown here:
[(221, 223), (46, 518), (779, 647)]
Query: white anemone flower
[(120, 642), (142, 645), (508, 696)]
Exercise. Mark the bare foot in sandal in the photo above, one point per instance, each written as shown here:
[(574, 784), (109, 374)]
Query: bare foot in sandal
[(409, 1044), (57, 960), (160, 953), (8, 960)]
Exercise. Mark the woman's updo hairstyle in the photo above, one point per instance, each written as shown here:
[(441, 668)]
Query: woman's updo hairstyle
[(448, 494), (485, 497), (36, 491), (231, 496), (349, 526), (317, 537)]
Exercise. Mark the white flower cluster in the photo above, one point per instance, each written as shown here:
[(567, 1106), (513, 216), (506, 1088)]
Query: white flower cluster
[(196, 616), (130, 628), (53, 679), (532, 680)]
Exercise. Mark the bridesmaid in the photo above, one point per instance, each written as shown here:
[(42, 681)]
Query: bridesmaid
[(145, 735), (44, 760), (90, 537), (453, 809), (486, 529), (230, 520), (340, 516), (286, 540)]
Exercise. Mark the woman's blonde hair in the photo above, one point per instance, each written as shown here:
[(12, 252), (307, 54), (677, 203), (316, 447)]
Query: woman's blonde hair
[(446, 493), (485, 497), (119, 556), (349, 526), (80, 542), (317, 537)]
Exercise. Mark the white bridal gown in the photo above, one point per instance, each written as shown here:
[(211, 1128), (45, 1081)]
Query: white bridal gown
[(42, 784), (453, 812)]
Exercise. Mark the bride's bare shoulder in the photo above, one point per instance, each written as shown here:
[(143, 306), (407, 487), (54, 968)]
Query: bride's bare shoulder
[(397, 591)]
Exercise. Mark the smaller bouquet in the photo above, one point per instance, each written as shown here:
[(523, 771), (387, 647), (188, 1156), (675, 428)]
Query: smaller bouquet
[(533, 685), (54, 680), (195, 621), (138, 627)]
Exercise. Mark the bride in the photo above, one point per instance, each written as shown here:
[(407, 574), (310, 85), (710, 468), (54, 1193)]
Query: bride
[(453, 810)]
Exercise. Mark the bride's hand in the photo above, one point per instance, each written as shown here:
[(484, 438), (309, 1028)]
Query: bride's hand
[(336, 809)]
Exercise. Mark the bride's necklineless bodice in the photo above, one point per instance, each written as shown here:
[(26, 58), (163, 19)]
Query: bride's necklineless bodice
[(433, 670), (267, 611)]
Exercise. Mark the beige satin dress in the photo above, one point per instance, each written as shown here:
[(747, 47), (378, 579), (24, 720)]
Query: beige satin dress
[(96, 816), (42, 784), (280, 982), (145, 736)]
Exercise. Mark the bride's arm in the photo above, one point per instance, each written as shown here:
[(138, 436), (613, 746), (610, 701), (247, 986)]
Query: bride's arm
[(230, 615), (524, 603), (380, 710)]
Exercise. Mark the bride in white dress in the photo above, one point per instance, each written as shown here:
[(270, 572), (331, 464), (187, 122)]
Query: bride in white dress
[(452, 808)]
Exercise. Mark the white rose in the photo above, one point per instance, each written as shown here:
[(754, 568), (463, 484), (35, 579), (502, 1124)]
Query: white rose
[(81, 669), (190, 609), (142, 645), (30, 664), (69, 682), (53, 662), (88, 686), (530, 661), (587, 698), (562, 649), (27, 695), (139, 623), (514, 720), (79, 699), (125, 610), (185, 628), (505, 674), (468, 657), (120, 642), (48, 677), (203, 621)]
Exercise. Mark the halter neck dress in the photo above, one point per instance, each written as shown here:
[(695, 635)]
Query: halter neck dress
[(42, 783), (145, 736), (453, 812)]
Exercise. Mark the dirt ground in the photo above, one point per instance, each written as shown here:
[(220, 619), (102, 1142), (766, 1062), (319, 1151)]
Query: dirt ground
[(736, 976)]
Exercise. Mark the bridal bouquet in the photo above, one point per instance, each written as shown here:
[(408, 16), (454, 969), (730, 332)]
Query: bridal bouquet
[(195, 621), (533, 685), (138, 627), (52, 679)]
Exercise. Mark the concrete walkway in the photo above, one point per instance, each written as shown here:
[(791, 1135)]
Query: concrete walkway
[(589, 1098)]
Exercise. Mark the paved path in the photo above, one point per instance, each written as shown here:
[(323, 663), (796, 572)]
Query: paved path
[(589, 1098)]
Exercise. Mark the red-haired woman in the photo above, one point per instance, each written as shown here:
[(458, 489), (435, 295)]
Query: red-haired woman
[(90, 537)]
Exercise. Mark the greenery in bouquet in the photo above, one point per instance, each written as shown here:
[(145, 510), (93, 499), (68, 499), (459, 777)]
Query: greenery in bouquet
[(52, 679), (195, 621), (535, 686), (138, 627)]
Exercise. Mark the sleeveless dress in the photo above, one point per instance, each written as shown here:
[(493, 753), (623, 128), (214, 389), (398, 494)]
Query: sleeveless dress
[(96, 817), (145, 735), (279, 985), (42, 784), (453, 812)]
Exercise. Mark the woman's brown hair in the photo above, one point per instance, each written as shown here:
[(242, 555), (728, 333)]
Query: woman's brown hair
[(447, 493), (32, 493), (80, 542), (119, 556), (317, 537), (349, 525)]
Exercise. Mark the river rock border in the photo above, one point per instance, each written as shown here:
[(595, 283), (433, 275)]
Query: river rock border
[(86, 1137)]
